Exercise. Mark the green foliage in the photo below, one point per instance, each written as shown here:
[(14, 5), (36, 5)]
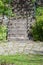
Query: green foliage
[(39, 11), (1, 6), (33, 1), (6, 1), (37, 29), (3, 30), (5, 7)]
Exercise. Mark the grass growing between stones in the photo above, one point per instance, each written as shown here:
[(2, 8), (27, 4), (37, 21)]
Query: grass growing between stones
[(22, 59)]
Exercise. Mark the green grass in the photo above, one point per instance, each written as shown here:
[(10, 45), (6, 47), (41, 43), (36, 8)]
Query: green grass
[(21, 59)]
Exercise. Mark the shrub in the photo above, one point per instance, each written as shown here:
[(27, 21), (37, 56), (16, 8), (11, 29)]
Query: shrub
[(3, 30), (37, 29), (39, 11), (5, 9)]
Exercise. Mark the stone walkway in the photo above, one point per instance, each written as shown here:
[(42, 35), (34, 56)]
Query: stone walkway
[(21, 47)]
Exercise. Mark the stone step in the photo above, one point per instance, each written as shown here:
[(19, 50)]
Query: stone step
[(17, 28), (21, 30), (17, 35), (19, 40), (17, 25), (15, 38), (18, 21), (15, 32), (14, 22)]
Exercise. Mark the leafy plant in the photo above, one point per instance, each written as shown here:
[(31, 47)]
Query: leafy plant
[(3, 30), (37, 29), (33, 1), (5, 7), (39, 11)]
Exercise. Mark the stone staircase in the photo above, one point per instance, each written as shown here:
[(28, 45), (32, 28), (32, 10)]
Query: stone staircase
[(18, 28)]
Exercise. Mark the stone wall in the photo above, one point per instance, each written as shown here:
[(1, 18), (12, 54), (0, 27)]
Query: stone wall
[(11, 48)]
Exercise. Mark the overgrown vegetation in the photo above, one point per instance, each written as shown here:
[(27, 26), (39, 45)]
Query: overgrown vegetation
[(6, 8), (39, 11), (3, 32), (37, 27)]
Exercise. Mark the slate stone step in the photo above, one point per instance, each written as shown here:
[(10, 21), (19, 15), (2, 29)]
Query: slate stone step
[(17, 25), (17, 28), (19, 38), (18, 31), (19, 22), (17, 35)]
